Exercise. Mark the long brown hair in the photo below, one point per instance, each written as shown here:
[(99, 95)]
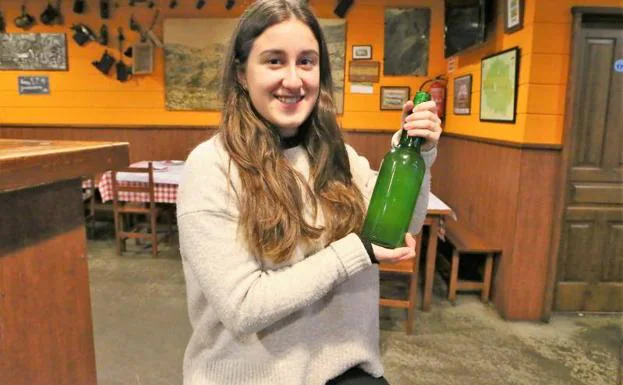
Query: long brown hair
[(274, 195)]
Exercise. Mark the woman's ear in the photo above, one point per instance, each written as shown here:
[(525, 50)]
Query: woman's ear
[(242, 80)]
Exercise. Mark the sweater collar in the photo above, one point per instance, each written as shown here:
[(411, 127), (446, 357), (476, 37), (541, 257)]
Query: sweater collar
[(293, 141)]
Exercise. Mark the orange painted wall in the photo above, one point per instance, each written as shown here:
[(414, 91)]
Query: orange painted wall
[(82, 95), (544, 42)]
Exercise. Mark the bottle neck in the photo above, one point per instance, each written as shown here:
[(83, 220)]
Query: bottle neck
[(414, 142)]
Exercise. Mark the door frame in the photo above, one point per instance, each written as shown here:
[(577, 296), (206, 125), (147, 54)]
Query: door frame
[(575, 71)]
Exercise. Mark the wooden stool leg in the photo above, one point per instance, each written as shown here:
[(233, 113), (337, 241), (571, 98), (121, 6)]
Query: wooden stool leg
[(487, 281), (454, 275), (154, 234), (118, 227), (413, 287)]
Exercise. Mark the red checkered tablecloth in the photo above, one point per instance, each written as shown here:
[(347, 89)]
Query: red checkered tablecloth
[(164, 193)]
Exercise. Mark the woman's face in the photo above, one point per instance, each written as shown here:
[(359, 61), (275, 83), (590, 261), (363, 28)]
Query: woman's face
[(282, 74)]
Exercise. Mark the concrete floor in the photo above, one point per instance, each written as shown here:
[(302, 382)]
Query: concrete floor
[(141, 329)]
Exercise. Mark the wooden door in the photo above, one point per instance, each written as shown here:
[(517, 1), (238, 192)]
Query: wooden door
[(590, 264)]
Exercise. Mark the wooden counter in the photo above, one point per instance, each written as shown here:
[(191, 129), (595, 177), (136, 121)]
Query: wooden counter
[(46, 331)]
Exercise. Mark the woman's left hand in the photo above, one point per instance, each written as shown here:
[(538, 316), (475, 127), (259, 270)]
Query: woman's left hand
[(422, 121)]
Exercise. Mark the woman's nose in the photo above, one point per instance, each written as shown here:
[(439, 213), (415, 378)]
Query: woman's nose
[(291, 78)]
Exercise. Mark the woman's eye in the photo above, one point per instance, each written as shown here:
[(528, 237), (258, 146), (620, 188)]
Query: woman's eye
[(274, 61), (307, 61)]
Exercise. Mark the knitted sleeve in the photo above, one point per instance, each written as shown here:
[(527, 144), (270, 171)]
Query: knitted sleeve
[(247, 297)]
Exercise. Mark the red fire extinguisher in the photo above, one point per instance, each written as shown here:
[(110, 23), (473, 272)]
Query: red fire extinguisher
[(437, 91)]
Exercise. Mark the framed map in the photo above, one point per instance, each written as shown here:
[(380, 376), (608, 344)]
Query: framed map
[(33, 51), (193, 66), (498, 87)]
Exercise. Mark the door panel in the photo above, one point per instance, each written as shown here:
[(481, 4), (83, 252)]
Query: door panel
[(590, 268)]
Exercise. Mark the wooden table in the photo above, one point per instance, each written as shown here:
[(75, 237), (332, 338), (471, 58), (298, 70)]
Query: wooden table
[(167, 177), (46, 332)]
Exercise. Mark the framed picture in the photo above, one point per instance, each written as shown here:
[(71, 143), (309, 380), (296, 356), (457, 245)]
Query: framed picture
[(392, 98), (463, 95), (513, 15), (362, 52), (364, 71), (498, 86)]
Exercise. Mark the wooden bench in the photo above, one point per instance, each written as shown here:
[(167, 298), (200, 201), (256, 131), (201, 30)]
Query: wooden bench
[(465, 241)]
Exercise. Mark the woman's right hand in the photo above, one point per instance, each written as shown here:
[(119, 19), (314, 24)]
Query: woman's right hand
[(398, 254)]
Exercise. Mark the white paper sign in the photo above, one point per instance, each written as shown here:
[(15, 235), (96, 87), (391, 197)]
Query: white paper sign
[(361, 88)]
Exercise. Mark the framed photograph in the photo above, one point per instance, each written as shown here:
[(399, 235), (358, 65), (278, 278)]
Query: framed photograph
[(463, 95), (392, 98), (513, 15), (362, 52), (498, 86), (364, 71)]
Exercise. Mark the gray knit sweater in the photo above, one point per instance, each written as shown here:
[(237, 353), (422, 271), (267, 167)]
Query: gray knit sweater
[(299, 323)]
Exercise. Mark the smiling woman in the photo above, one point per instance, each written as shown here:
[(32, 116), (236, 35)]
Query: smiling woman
[(281, 287), (283, 80)]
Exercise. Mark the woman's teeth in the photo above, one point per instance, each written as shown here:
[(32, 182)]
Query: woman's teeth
[(290, 100)]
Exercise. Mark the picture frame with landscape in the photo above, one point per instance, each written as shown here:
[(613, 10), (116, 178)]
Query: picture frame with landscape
[(393, 97)]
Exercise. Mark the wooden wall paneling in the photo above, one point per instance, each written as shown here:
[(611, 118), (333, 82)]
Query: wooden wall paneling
[(483, 183), (372, 145), (532, 255), (145, 142), (177, 142)]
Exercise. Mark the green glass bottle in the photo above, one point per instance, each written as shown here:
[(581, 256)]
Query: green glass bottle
[(396, 190)]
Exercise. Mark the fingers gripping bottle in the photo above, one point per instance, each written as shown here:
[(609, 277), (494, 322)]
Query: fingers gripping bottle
[(396, 190)]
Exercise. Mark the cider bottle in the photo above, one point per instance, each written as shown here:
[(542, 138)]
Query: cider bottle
[(396, 190)]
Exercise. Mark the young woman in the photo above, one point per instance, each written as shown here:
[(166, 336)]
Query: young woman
[(281, 288)]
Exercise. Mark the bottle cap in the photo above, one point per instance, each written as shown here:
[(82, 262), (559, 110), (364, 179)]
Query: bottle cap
[(421, 97)]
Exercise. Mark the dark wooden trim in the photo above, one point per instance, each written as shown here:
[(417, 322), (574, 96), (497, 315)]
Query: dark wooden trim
[(569, 120), (505, 143), (161, 127), (99, 126), (597, 10)]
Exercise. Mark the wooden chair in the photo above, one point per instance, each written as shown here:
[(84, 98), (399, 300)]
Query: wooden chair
[(410, 268), (88, 200), (130, 210), (467, 243)]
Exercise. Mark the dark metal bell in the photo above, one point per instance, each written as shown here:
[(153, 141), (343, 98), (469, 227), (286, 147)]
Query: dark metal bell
[(105, 63), (105, 9), (123, 71), (49, 15), (25, 20), (78, 6), (103, 37)]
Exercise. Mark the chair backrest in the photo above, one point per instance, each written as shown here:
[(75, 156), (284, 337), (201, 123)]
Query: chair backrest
[(134, 187), (88, 195)]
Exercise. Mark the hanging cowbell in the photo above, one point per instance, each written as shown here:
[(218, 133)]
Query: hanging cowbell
[(103, 37), (105, 9), (78, 6), (105, 63), (50, 15), (25, 20)]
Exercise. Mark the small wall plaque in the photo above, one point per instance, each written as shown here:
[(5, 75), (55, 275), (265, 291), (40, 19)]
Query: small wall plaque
[(33, 85), (364, 71)]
